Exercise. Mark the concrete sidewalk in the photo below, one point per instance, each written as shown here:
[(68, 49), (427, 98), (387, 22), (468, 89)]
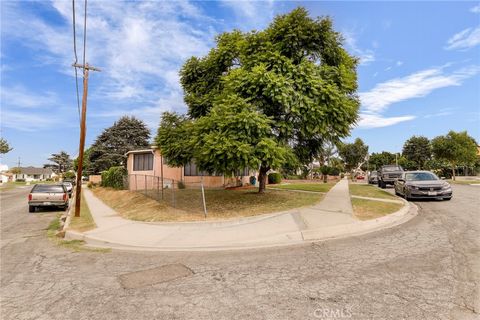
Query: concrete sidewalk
[(331, 218)]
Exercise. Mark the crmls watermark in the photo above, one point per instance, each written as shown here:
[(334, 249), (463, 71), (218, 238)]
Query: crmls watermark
[(332, 313)]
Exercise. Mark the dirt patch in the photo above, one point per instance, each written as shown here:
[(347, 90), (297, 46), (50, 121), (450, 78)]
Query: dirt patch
[(160, 274)]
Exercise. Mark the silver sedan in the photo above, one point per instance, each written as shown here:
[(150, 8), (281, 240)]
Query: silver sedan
[(422, 185)]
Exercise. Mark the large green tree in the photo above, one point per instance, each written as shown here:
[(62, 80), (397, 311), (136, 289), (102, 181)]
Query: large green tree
[(417, 150), (110, 147), (87, 166), (377, 160), (456, 148), (260, 98), (353, 154), (62, 162), (4, 146)]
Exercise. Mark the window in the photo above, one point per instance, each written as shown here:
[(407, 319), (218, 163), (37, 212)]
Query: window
[(191, 170), (242, 172), (142, 161)]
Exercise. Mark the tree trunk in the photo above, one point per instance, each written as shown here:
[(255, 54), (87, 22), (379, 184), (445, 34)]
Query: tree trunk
[(453, 172), (262, 178)]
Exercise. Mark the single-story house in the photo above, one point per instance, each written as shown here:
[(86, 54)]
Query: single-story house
[(150, 163), (33, 174)]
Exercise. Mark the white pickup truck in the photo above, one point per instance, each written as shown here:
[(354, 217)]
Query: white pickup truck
[(48, 195)]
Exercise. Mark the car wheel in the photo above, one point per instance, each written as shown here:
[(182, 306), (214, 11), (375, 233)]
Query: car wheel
[(383, 185), (31, 209)]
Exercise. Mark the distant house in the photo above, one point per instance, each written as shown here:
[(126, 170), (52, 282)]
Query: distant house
[(33, 174), (147, 165)]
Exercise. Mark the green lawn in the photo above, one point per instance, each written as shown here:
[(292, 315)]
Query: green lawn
[(369, 209), (85, 221), (313, 186), (464, 182), (367, 190), (221, 204)]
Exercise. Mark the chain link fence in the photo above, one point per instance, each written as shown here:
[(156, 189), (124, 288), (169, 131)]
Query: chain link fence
[(186, 197)]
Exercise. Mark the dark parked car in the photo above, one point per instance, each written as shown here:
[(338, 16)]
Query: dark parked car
[(48, 195), (388, 174), (373, 177), (422, 185)]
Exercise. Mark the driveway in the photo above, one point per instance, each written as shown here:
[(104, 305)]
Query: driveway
[(427, 268)]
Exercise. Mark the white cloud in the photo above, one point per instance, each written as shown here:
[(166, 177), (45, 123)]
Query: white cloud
[(419, 84), (416, 85), (252, 14), (399, 63), (368, 121), (475, 9), (140, 46), (19, 97), (464, 39), (366, 56)]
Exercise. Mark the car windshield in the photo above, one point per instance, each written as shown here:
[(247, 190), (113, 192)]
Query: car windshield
[(392, 168), (47, 188), (420, 176)]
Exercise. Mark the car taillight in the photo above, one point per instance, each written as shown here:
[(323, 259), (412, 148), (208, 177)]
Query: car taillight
[(65, 197), (30, 197)]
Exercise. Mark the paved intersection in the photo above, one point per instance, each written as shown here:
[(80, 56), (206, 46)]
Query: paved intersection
[(427, 268)]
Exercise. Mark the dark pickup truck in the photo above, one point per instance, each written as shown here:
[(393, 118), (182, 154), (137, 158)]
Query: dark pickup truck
[(388, 174)]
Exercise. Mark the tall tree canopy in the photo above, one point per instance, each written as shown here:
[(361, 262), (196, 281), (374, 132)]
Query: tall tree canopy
[(417, 150), (62, 162), (456, 148), (110, 147), (4, 146), (377, 160), (261, 98), (353, 154)]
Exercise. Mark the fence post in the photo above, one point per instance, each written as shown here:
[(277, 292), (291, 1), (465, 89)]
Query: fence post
[(158, 188), (145, 185), (136, 186), (173, 193), (203, 199)]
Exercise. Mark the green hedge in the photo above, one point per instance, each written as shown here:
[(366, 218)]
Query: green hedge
[(274, 178), (114, 177)]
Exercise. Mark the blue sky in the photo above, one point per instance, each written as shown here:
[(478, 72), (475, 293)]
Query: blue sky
[(419, 71)]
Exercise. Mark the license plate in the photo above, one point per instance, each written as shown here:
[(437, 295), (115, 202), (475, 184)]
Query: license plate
[(432, 193), (47, 203)]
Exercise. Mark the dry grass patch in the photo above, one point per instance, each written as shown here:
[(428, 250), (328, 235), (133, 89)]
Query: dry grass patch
[(221, 204), (370, 209), (367, 190), (85, 222)]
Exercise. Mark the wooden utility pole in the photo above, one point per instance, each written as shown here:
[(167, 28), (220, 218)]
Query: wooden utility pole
[(78, 189)]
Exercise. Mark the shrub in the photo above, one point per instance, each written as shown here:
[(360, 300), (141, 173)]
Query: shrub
[(334, 171), (92, 185), (69, 175), (114, 177), (181, 185), (294, 177), (274, 178)]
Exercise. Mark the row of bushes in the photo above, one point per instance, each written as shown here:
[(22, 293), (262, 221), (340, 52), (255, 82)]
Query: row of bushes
[(114, 177)]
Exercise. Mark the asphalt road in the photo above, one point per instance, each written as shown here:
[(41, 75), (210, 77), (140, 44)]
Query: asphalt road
[(428, 268)]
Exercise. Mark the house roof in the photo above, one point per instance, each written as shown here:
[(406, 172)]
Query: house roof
[(33, 170), (151, 150)]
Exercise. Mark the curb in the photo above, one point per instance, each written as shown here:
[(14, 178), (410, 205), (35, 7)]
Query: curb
[(406, 213)]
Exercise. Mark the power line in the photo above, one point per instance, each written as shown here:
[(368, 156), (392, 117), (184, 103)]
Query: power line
[(85, 33), (76, 59)]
